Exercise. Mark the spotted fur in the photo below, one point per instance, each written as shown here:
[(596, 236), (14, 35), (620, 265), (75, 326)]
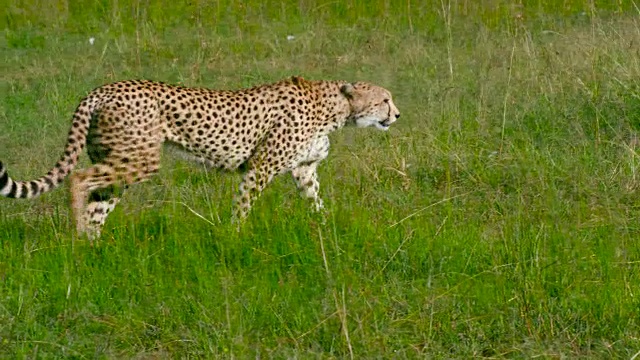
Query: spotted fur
[(271, 129)]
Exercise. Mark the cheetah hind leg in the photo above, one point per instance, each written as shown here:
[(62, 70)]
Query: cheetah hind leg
[(90, 212), (94, 194), (101, 203)]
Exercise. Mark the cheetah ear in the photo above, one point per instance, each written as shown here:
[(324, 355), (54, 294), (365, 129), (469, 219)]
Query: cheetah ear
[(348, 89), (297, 80)]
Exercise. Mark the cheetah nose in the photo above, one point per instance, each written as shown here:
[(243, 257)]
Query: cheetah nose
[(398, 116)]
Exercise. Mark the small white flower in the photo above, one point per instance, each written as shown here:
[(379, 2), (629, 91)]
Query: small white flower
[(290, 37), (92, 40)]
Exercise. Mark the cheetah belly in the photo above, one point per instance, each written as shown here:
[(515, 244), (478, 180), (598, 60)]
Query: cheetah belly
[(214, 150)]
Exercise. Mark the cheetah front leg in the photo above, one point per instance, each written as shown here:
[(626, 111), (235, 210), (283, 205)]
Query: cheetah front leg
[(306, 179), (305, 173), (262, 167), (274, 158), (254, 181)]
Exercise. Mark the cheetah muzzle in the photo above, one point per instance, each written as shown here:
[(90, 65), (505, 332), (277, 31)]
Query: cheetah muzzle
[(268, 129)]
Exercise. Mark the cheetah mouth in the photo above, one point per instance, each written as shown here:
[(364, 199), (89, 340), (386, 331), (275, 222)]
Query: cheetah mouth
[(384, 124), (371, 121)]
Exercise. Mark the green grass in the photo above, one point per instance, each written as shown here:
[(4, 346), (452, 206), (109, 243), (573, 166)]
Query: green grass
[(498, 217)]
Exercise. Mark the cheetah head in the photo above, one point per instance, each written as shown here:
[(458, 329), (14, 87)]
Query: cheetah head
[(370, 105)]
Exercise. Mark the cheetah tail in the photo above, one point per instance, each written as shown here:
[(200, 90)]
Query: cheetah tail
[(75, 143)]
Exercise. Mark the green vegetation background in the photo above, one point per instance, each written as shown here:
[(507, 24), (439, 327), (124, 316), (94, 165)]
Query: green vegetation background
[(498, 218)]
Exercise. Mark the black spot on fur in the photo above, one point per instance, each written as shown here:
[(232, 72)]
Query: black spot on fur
[(4, 179), (34, 187), (14, 190), (49, 182)]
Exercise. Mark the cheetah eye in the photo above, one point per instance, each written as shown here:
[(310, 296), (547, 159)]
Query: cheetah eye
[(385, 101)]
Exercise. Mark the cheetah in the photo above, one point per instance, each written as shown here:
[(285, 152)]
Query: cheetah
[(266, 130)]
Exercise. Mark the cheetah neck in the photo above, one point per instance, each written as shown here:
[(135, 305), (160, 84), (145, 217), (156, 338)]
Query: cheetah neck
[(335, 106)]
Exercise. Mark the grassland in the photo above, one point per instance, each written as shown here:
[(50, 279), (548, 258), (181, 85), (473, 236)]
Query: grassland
[(498, 218)]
